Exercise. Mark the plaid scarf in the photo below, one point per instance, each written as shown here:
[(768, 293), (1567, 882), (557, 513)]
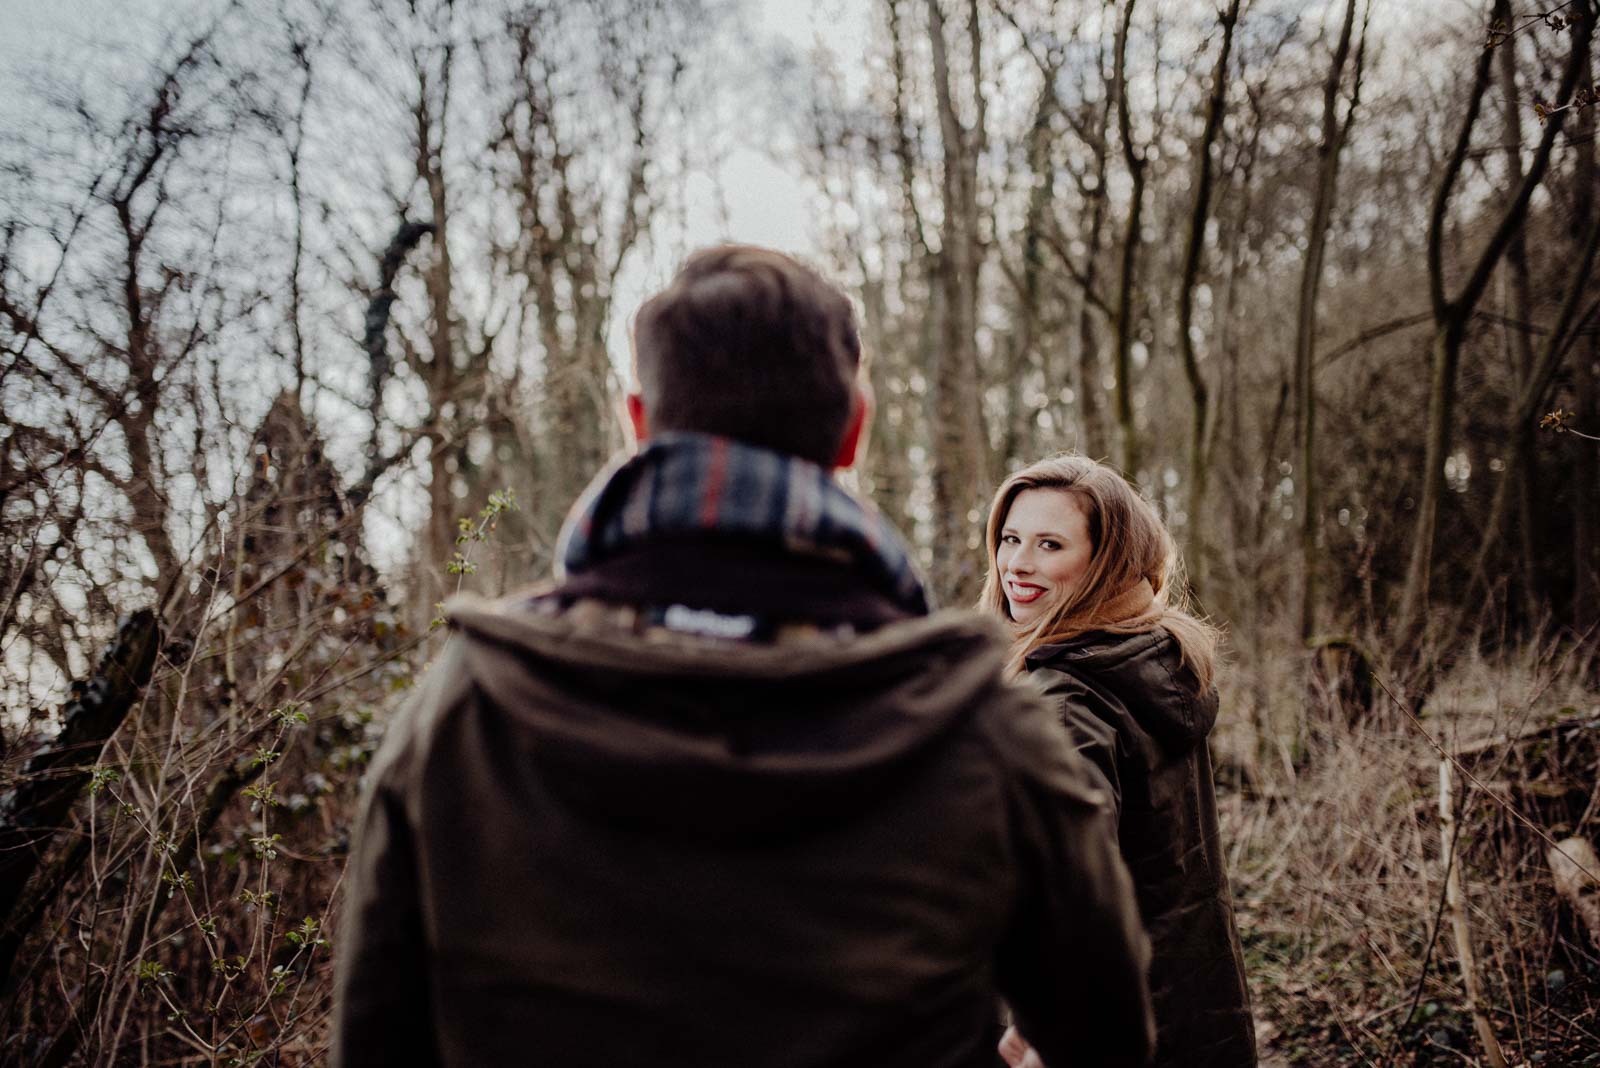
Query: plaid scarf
[(684, 483)]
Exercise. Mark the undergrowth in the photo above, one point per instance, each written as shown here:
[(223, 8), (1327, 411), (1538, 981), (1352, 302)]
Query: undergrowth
[(1331, 815)]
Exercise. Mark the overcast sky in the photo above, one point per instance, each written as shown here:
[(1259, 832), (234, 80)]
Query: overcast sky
[(755, 197), (751, 197)]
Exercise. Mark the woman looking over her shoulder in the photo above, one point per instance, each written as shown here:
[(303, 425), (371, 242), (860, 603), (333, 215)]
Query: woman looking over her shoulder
[(1083, 571)]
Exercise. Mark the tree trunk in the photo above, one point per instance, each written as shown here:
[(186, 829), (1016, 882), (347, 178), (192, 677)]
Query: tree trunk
[(431, 114), (1194, 248), (1334, 135), (960, 441), (1586, 390), (1094, 437), (1525, 474), (1022, 421), (1525, 412), (1229, 599), (1127, 278), (1586, 501), (887, 461)]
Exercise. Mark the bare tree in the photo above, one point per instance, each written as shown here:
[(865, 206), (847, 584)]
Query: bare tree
[(573, 169), (1127, 277), (1335, 135), (1585, 604), (1453, 314), (1194, 249), (960, 438)]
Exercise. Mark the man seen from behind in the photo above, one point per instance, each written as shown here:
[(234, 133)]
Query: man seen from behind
[(726, 793)]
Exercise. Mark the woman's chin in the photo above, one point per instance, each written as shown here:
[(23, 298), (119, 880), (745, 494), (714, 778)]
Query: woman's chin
[(1024, 614)]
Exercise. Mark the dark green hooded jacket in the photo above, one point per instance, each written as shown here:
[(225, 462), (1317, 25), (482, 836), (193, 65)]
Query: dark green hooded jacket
[(1142, 720), (587, 842)]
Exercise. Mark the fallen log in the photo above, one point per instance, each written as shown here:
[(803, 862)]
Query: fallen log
[(1576, 870), (32, 813)]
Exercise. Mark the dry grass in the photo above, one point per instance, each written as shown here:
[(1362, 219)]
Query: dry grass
[(1336, 859)]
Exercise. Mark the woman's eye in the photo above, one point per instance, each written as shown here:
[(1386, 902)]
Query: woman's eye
[(1046, 543), (1009, 539)]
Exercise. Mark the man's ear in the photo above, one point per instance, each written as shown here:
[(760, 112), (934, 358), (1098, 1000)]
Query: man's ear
[(638, 418), (854, 442)]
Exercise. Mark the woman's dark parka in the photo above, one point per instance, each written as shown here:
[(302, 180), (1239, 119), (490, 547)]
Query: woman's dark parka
[(1142, 719)]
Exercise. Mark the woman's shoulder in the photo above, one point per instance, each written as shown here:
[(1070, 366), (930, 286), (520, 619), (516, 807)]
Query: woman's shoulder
[(1100, 652), (1143, 672)]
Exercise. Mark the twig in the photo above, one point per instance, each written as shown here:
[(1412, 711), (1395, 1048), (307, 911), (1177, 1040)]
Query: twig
[(345, 680), (1462, 933), (1427, 958)]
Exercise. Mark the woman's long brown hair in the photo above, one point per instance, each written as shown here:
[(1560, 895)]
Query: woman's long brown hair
[(1128, 543)]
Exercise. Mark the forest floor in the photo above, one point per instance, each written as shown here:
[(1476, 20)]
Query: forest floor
[(1335, 849)]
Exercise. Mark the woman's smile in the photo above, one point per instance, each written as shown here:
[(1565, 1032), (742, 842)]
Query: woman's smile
[(1023, 592)]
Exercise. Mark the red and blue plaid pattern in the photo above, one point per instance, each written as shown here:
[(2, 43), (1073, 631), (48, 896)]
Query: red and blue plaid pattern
[(689, 483)]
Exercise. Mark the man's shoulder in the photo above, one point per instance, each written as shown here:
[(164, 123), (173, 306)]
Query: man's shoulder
[(572, 616), (444, 687)]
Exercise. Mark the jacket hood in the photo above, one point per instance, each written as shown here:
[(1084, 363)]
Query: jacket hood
[(1146, 673), (723, 739)]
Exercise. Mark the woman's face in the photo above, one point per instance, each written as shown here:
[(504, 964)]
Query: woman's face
[(1044, 551)]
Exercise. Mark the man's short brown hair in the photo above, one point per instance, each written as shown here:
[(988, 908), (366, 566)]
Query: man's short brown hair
[(750, 344)]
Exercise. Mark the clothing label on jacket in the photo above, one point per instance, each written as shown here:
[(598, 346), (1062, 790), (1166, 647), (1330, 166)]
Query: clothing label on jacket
[(706, 623)]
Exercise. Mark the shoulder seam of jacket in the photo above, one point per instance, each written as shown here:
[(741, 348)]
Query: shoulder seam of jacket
[(1183, 692), (1150, 639)]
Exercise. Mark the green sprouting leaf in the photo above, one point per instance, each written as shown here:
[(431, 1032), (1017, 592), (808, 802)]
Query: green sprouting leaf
[(307, 934), (291, 715), (151, 971), (264, 793), (266, 845)]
